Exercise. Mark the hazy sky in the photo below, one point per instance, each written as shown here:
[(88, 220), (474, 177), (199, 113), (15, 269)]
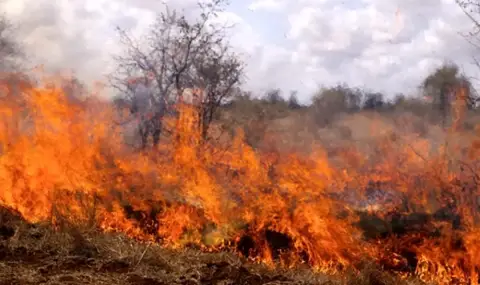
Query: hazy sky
[(289, 44)]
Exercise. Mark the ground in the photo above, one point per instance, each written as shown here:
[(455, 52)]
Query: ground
[(38, 254)]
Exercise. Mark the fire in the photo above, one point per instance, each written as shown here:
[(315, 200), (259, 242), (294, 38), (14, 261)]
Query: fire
[(66, 162)]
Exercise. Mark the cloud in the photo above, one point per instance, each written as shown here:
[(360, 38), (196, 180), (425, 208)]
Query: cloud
[(385, 45), (65, 34), (268, 5), (79, 34), (388, 45)]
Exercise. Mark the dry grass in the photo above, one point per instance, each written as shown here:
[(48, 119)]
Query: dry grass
[(37, 254)]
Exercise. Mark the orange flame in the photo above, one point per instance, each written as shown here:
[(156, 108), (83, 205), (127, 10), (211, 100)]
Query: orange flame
[(66, 162)]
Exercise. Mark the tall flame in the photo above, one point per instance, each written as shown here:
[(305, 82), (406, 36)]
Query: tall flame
[(65, 161)]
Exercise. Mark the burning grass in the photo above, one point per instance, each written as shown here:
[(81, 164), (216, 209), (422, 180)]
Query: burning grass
[(65, 163), (37, 254)]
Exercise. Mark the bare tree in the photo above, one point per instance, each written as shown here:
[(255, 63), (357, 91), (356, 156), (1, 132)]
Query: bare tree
[(218, 73), (471, 9), (179, 54)]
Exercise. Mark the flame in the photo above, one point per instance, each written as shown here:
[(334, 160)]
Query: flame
[(65, 161)]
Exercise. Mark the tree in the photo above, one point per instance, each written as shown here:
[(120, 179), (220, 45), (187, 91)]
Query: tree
[(331, 101), (274, 96), (442, 87), (373, 101), (219, 74), (471, 8), (293, 101), (399, 99), (179, 54), (340, 98)]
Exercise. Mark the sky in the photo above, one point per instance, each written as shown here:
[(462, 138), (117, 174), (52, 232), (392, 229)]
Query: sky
[(300, 45)]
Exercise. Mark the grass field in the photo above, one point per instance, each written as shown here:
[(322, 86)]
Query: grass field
[(37, 254)]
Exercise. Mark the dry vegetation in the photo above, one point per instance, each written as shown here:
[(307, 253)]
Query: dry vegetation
[(231, 188), (83, 208), (38, 254)]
